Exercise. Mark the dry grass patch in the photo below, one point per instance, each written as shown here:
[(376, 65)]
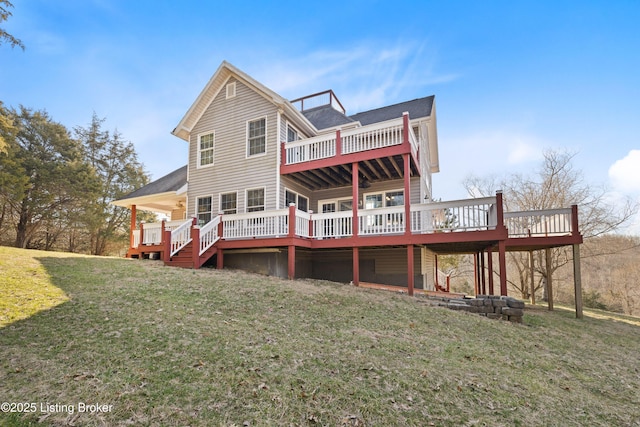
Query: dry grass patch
[(173, 347)]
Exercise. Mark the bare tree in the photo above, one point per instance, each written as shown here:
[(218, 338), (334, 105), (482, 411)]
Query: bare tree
[(555, 184)]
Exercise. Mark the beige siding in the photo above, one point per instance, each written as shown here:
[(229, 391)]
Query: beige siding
[(232, 171)]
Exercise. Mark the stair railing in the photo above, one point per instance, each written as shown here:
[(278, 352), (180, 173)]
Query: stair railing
[(180, 237), (209, 234)]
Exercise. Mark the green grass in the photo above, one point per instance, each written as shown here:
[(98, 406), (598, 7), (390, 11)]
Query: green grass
[(173, 347)]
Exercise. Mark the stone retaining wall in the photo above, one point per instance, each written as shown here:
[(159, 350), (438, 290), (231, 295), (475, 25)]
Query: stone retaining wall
[(491, 306)]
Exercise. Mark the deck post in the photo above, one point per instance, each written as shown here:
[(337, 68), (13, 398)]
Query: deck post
[(310, 224), (291, 262), (354, 196), (133, 225), (292, 220), (338, 143), (283, 154), (195, 246), (483, 275), (490, 268), (410, 270), (532, 278), (435, 261), (407, 193), (547, 255), (476, 288), (219, 259), (502, 261), (166, 255), (577, 280), (356, 266)]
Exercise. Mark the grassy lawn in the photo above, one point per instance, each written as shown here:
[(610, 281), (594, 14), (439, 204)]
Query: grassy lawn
[(163, 346)]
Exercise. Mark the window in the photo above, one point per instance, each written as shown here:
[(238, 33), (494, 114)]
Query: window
[(384, 199), (299, 200), (228, 203), (205, 149), (394, 198), (203, 210), (292, 134), (255, 200), (257, 137), (231, 90)]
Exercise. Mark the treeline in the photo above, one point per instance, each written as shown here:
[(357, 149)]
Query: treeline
[(56, 184)]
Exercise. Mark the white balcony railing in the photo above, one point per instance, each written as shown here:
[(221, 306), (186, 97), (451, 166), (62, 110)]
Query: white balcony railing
[(332, 225), (379, 135), (136, 238), (376, 222), (152, 233), (543, 223), (256, 224), (458, 215)]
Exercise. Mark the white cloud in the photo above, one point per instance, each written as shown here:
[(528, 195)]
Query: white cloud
[(624, 174), (363, 76)]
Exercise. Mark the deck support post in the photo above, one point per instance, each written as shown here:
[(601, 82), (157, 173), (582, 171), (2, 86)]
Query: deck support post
[(435, 260), (502, 261), (577, 280), (195, 246), (291, 262), (410, 269), (355, 177), (166, 254), (356, 266), (219, 258), (532, 278), (133, 224), (490, 268), (476, 288), (547, 256), (483, 275), (407, 194)]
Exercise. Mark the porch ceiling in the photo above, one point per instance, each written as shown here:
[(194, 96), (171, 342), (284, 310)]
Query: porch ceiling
[(372, 170), (163, 203)]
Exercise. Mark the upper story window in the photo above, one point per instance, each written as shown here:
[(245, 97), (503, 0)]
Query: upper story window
[(255, 200), (257, 137), (292, 134), (203, 210), (206, 143), (229, 203)]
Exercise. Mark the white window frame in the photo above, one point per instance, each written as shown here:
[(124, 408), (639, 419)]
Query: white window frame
[(384, 197), (247, 142), (230, 90), (298, 197), (220, 202), (199, 164), (290, 126), (264, 199), (336, 201), (198, 205)]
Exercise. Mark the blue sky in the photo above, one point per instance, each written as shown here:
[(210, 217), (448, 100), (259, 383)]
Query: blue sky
[(511, 78)]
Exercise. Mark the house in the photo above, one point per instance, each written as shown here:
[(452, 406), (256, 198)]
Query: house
[(300, 188)]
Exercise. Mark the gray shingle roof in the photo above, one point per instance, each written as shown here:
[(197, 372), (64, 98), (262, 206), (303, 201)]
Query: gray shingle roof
[(326, 117), (420, 107), (170, 182)]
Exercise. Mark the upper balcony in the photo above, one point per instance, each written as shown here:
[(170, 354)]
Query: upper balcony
[(324, 161)]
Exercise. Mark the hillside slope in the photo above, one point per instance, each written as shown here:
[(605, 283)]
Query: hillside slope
[(170, 347)]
